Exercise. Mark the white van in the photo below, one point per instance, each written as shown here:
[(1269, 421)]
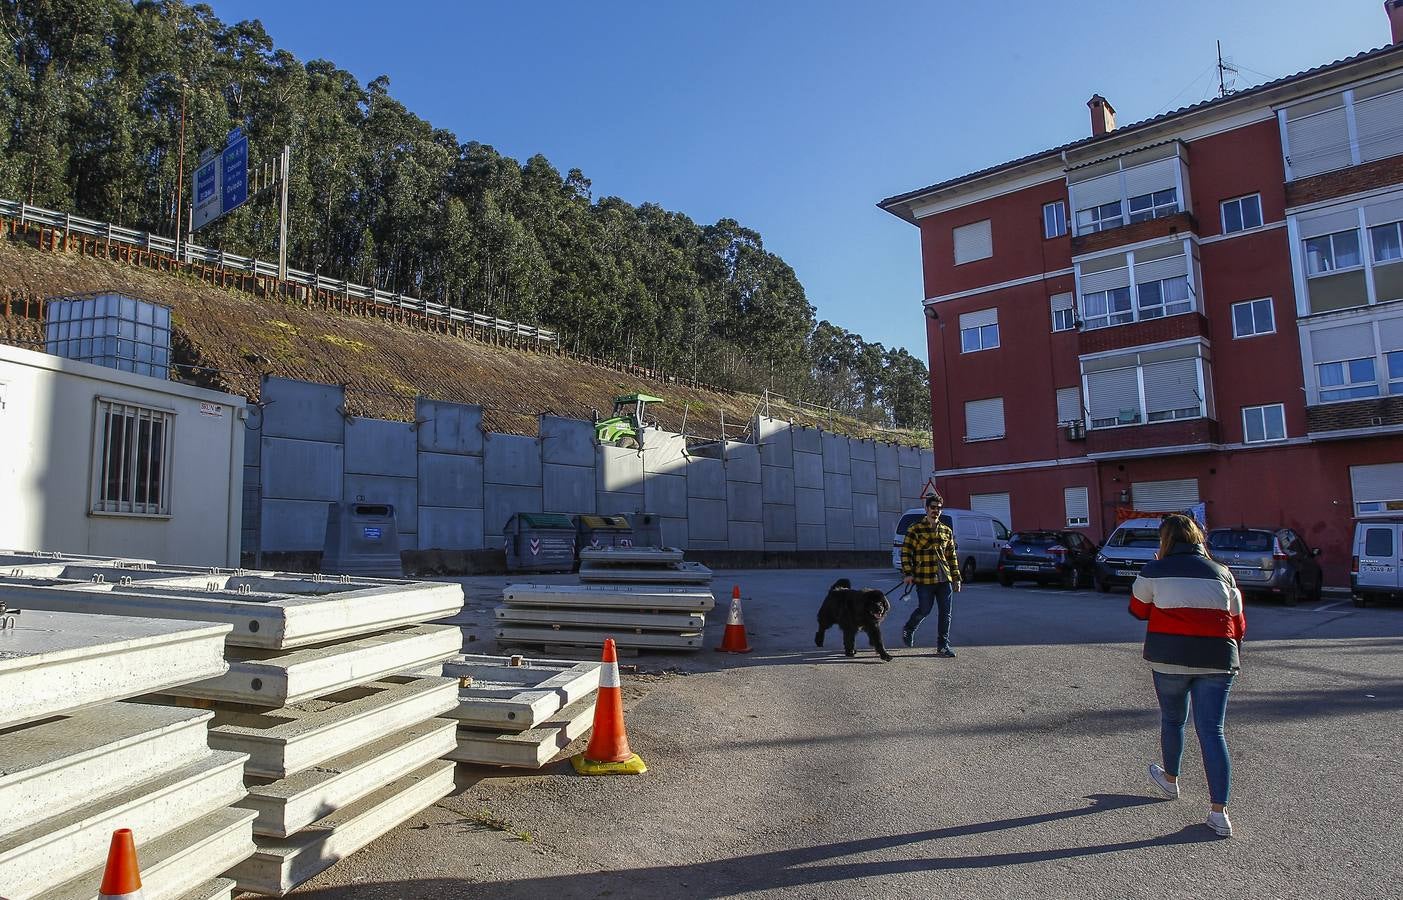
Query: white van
[(1377, 561), (979, 538)]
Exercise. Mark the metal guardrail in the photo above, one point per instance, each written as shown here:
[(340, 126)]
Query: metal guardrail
[(188, 252)]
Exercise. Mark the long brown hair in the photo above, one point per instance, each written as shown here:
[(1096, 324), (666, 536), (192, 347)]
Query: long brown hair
[(1178, 529)]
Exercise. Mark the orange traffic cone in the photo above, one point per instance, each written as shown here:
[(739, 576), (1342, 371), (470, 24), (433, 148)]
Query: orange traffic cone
[(734, 639), (608, 752), (121, 880)]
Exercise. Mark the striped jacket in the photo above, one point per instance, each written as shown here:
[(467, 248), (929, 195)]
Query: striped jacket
[(1194, 610), (928, 554)]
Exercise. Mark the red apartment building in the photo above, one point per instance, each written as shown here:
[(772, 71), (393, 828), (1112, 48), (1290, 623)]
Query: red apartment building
[(1204, 307)]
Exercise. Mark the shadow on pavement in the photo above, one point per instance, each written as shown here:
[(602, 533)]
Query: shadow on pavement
[(784, 868)]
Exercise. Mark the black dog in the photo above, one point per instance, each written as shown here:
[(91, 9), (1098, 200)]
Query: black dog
[(853, 611)]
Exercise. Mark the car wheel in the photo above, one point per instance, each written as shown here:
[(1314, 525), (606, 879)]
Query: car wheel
[(967, 571), (1292, 595), (1315, 591), (1005, 580), (1101, 586)]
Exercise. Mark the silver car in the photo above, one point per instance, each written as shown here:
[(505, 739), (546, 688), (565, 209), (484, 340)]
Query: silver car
[(1268, 561)]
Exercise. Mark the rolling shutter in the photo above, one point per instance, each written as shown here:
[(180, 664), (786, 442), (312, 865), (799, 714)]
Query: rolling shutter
[(1348, 342), (979, 319), (1328, 223), (1068, 405), (1376, 484), (1318, 143), (1377, 125), (1383, 213), (984, 419), (1061, 301), (1151, 177), (995, 505), (1164, 496), (1390, 334), (1159, 269), (1078, 506), (1105, 281), (1095, 191), (1112, 392), (975, 241), (1171, 385)]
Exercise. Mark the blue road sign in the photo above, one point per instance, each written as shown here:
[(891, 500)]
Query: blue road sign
[(234, 167), (205, 186)]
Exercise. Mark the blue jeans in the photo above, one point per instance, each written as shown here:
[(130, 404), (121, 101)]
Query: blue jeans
[(1210, 707), (927, 595)]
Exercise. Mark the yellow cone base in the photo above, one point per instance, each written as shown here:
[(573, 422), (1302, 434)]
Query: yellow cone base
[(634, 765)]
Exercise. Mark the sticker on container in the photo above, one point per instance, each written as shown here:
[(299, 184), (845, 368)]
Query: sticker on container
[(371, 534), (214, 410), (535, 546)]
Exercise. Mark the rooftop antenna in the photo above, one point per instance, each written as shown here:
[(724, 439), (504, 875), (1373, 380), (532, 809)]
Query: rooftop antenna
[(1223, 69)]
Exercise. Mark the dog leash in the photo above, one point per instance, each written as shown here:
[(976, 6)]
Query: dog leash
[(904, 594)]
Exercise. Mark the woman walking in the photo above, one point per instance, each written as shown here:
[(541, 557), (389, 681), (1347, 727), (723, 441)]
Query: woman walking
[(1193, 642)]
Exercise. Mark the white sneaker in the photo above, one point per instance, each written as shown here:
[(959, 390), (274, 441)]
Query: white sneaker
[(1169, 788), (1220, 823)]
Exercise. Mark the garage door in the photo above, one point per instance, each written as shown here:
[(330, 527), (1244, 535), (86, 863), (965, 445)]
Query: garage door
[(1377, 488), (996, 505), (1164, 496)]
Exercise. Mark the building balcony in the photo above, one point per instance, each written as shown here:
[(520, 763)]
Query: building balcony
[(1133, 440), (1383, 173), (1141, 333), (1355, 418), (1134, 233)]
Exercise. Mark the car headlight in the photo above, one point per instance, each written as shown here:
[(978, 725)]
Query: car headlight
[(1101, 557)]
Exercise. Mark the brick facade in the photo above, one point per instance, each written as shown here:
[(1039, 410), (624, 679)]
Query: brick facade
[(1381, 174), (1134, 234), (1159, 434), (1371, 413), (1136, 334)]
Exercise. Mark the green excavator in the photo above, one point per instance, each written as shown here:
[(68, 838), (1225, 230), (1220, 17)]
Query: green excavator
[(625, 427)]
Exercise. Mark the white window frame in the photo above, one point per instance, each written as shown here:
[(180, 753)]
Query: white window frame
[(1252, 306), (1099, 218), (981, 333), (1110, 317), (1395, 385), (1166, 308), (1158, 208), (1064, 319), (1058, 224), (1348, 384), (1331, 269), (1279, 410), (1143, 416), (1077, 521), (120, 493), (1238, 201), (1397, 228)]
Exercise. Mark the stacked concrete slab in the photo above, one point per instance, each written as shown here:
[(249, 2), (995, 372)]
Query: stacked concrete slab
[(341, 745), (77, 764), (637, 615), (519, 712)]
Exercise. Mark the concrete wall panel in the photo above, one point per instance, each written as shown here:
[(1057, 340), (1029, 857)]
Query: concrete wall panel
[(442, 528), (706, 479), (377, 447), (512, 459), (808, 470), (779, 522), (665, 495), (812, 537), (839, 523), (743, 502), (889, 496), (835, 454), (293, 525), (567, 442), (808, 440), (886, 459), (402, 493), (502, 501), (609, 503), (448, 427), (664, 453), (777, 484), (619, 470), (253, 443), (743, 463), (746, 536), (706, 520), (776, 443), (910, 457), (864, 510), (911, 483), (866, 539), (864, 476), (866, 451), (837, 490), (675, 532), (303, 410), (886, 526), (301, 470), (927, 462), (568, 489), (808, 506), (447, 479)]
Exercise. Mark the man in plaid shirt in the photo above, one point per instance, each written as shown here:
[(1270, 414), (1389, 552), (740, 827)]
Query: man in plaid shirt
[(929, 561)]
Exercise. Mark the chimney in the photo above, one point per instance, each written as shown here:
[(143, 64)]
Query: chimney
[(1103, 114), (1394, 8)]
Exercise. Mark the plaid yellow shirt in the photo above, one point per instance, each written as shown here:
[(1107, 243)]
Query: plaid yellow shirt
[(928, 553)]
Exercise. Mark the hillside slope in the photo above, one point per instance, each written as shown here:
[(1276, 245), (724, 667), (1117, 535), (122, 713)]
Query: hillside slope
[(227, 339)]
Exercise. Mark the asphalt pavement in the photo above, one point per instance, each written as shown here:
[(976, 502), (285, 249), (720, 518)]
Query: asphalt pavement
[(1016, 769)]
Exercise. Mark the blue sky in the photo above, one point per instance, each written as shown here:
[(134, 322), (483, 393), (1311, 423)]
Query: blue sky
[(795, 118)]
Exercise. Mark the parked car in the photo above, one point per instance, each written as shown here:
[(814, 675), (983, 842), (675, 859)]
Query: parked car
[(1375, 567), (1133, 543), (1268, 561), (1064, 557), (979, 537)]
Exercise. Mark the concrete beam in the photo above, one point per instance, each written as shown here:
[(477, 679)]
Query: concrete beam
[(613, 596), (514, 635), (526, 749), (502, 697)]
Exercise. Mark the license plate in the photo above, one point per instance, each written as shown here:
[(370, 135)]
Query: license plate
[(1028, 568), (1127, 573), (1375, 569)]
